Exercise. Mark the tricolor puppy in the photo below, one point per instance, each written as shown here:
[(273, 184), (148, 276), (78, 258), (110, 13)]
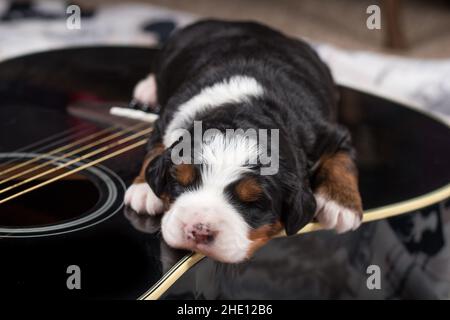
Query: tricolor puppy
[(240, 75)]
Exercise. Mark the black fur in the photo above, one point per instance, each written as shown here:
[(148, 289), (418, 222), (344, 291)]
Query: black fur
[(299, 100)]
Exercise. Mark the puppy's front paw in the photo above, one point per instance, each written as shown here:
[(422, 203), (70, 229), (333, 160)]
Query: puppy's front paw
[(331, 215), (141, 198), (145, 92)]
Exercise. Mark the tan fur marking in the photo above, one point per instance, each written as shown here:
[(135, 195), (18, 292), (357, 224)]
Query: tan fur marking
[(152, 154), (248, 190), (185, 174), (262, 235), (337, 179)]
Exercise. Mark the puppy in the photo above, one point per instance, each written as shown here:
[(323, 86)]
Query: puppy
[(243, 76)]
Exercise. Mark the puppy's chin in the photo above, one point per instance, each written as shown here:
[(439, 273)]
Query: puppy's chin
[(205, 222)]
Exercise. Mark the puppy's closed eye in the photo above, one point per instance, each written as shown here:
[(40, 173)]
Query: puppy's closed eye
[(248, 190)]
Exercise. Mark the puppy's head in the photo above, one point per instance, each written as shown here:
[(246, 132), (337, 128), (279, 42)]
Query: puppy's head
[(221, 206)]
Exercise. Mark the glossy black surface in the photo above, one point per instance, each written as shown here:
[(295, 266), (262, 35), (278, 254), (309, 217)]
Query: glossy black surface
[(43, 207), (116, 260), (402, 154), (412, 257)]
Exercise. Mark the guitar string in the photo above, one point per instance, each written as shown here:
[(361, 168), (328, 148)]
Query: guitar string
[(68, 173), (54, 151), (56, 142), (49, 138), (71, 153), (80, 158)]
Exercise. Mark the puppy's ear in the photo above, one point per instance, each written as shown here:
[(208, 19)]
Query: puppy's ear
[(158, 173), (300, 206)]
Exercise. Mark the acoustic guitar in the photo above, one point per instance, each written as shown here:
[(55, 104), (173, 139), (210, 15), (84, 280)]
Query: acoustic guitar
[(65, 162)]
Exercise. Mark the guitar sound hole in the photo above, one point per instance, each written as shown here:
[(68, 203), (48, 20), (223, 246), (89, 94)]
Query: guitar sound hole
[(57, 202), (40, 195)]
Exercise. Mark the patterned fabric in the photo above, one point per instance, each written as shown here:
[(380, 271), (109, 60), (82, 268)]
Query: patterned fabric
[(423, 84), (33, 26)]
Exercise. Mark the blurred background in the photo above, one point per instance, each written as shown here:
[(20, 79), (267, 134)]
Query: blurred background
[(406, 59), (420, 28)]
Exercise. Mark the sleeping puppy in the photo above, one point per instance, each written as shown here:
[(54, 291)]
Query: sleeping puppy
[(220, 195)]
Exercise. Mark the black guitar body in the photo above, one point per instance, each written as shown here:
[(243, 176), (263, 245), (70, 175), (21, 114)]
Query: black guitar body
[(77, 226), (78, 220)]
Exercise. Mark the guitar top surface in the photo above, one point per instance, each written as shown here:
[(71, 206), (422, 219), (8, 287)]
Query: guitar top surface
[(59, 100)]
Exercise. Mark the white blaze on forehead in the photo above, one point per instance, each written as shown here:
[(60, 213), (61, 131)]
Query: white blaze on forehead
[(233, 90), (224, 159)]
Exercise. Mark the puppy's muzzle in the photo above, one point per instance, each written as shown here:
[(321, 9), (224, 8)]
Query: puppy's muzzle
[(200, 233)]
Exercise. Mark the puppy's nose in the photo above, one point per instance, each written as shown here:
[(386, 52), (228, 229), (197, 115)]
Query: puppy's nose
[(200, 233)]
